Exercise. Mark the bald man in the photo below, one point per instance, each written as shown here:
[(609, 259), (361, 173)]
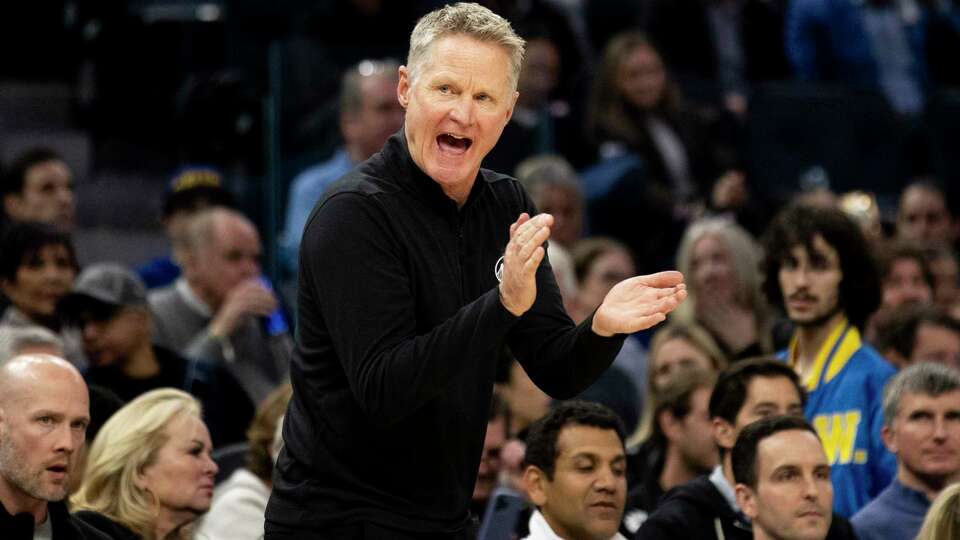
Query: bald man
[(44, 412)]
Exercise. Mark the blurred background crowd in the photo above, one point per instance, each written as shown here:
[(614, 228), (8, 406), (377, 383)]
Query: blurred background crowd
[(160, 158)]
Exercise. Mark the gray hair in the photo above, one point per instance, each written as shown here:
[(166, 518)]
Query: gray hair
[(467, 19), (927, 378), (745, 257), (15, 340), (548, 170), (351, 86)]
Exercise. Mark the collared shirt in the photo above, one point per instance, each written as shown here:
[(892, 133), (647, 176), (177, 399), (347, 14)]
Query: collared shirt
[(541, 530), (844, 404), (723, 486), (191, 299)]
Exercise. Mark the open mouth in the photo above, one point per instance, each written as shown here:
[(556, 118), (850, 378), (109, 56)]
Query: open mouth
[(58, 470), (453, 144)]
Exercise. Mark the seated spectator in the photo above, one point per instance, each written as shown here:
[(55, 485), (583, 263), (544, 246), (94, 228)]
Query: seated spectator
[(44, 412), (542, 122), (720, 48), (191, 190), (37, 268), (783, 480), (904, 276), (722, 265), (600, 263), (240, 502), (38, 186), (28, 340), (554, 188), (488, 475), (820, 270), (524, 402), (575, 473), (943, 265), (871, 44), (149, 471), (943, 518), (707, 507), (219, 311), (635, 110), (917, 334), (923, 215), (109, 304), (369, 114), (921, 413), (682, 433)]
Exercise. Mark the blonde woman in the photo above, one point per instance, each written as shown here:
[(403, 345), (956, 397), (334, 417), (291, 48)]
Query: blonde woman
[(722, 264), (149, 474), (943, 518)]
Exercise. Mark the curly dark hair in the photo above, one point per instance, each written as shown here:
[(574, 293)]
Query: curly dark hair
[(542, 437), (798, 225)]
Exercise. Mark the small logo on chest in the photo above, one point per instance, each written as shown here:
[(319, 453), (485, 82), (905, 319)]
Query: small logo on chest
[(498, 270)]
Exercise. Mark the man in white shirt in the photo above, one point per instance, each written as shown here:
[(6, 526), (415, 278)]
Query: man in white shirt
[(575, 473)]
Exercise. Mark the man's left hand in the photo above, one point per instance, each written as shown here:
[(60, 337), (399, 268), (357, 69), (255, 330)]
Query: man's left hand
[(638, 303)]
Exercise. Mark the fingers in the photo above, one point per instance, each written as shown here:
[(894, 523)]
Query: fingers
[(670, 278), (524, 217)]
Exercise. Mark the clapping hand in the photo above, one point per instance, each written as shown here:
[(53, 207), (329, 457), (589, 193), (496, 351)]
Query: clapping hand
[(638, 303)]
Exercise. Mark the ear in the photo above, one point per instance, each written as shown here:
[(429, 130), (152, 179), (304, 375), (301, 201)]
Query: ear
[(889, 438), (724, 433), (669, 425), (513, 103), (746, 500), (534, 483), (403, 87), (11, 204)]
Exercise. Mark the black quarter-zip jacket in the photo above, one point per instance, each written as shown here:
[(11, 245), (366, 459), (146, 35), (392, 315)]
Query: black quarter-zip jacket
[(400, 327)]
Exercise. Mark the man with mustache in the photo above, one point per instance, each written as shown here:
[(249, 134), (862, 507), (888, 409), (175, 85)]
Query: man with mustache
[(921, 413), (783, 479), (575, 473), (44, 412), (820, 271)]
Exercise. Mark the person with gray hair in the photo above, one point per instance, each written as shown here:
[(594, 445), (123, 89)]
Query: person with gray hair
[(369, 113), (921, 426), (418, 269), (221, 311), (555, 189), (15, 341)]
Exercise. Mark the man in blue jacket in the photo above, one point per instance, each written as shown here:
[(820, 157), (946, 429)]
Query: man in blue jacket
[(820, 271)]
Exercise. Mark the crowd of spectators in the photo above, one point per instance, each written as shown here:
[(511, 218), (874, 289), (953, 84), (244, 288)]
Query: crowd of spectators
[(814, 364)]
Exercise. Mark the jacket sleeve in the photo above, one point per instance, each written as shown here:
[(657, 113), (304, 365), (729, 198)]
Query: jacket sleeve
[(356, 270), (563, 359)]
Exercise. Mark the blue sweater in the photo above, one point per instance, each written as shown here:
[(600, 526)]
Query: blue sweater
[(896, 513), (844, 404)]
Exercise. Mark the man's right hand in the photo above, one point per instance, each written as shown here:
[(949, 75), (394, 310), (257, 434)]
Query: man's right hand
[(247, 298), (518, 285)]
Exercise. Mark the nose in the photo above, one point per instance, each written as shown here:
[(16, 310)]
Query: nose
[(211, 467), (940, 429), (606, 480), (66, 440), (91, 329), (810, 488), (462, 110)]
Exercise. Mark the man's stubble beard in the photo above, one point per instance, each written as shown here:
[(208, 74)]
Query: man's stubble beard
[(30, 482), (820, 320)]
